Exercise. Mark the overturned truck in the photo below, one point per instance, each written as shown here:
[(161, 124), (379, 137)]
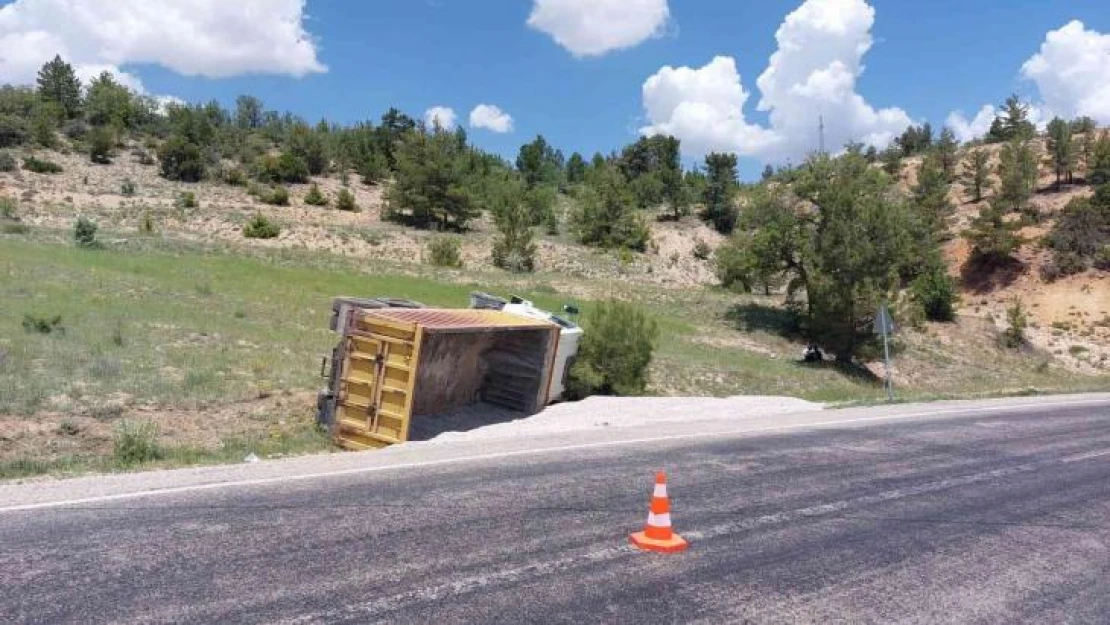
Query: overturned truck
[(398, 361)]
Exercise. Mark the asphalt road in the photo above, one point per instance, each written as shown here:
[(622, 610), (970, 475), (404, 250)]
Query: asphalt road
[(990, 517)]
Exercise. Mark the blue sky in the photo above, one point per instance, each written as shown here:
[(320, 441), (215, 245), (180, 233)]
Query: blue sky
[(927, 59)]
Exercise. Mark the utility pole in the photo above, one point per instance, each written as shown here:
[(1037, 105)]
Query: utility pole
[(821, 134)]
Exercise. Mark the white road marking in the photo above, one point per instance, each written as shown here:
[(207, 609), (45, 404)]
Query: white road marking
[(1087, 456), (174, 490)]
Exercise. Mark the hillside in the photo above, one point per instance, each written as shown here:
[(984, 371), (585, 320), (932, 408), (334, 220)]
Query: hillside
[(216, 337)]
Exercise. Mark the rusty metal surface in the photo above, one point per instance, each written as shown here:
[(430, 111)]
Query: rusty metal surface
[(459, 319)]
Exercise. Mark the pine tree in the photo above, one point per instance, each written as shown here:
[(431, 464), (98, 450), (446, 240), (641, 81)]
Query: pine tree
[(892, 160), (930, 195), (110, 103), (720, 192), (947, 149), (1061, 150), (430, 186), (606, 215), (58, 83), (976, 175), (1017, 170), (1013, 122), (514, 249), (993, 238), (576, 169)]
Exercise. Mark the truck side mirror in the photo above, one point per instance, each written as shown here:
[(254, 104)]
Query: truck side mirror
[(570, 309)]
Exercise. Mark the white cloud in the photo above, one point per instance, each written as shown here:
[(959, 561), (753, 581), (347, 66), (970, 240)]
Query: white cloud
[(491, 118), (976, 127), (212, 38), (1072, 73), (704, 108), (595, 27), (444, 115), (812, 74)]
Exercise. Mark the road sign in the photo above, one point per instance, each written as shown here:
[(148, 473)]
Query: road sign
[(884, 324)]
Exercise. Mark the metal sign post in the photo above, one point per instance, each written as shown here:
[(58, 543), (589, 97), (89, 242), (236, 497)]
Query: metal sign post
[(884, 325)]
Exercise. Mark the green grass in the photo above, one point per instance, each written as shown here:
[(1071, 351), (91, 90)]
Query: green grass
[(190, 326)]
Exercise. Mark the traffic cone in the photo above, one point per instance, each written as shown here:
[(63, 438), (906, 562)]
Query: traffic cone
[(658, 535)]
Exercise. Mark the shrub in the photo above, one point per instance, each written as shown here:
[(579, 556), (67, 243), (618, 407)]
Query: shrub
[(285, 168), (146, 225), (445, 251), (702, 251), (40, 166), (1013, 336), (75, 129), (261, 228), (127, 188), (314, 197), (43, 325), (136, 442), (187, 199), (278, 196), (615, 353), (7, 162), (145, 158), (8, 208), (181, 160), (13, 131), (84, 232), (233, 176), (101, 144), (345, 201), (935, 291)]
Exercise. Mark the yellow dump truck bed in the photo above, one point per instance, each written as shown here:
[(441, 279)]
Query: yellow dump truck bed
[(401, 364)]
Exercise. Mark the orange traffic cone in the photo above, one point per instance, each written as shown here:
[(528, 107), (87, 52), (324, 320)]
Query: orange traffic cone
[(657, 534)]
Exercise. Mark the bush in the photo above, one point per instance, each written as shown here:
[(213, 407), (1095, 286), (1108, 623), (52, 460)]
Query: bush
[(136, 442), (445, 251), (145, 158), (314, 197), (261, 228), (345, 201), (13, 131), (40, 166), (7, 162), (935, 291), (101, 144), (75, 129), (702, 251), (14, 228), (285, 168), (187, 199), (181, 160), (233, 176), (84, 232), (278, 196), (615, 353), (127, 189), (1013, 336), (43, 325), (146, 225), (8, 208)]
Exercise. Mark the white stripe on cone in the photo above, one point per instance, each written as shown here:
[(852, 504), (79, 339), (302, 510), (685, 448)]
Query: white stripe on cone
[(659, 520), (660, 490)]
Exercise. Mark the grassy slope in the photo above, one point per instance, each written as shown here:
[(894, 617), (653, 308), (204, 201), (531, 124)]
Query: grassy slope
[(158, 325)]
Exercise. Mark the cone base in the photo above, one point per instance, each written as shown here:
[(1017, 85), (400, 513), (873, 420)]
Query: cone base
[(673, 545)]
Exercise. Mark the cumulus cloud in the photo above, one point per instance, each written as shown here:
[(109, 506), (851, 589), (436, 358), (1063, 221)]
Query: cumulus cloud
[(211, 38), (491, 118), (967, 129), (1072, 73), (812, 74), (444, 115), (596, 27)]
